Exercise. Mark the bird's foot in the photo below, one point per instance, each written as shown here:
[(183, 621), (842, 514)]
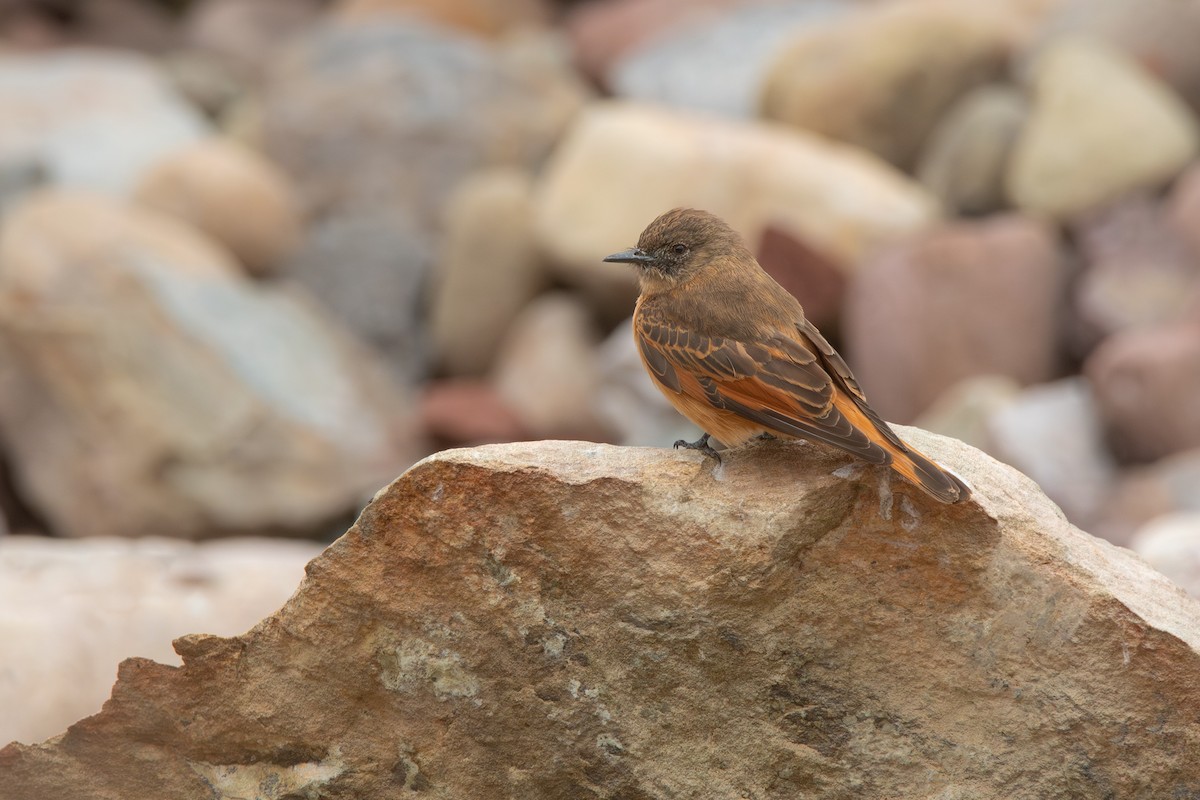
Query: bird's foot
[(700, 444)]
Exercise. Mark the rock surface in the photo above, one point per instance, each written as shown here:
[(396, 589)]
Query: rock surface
[(147, 386), (567, 620), (1090, 104), (71, 611)]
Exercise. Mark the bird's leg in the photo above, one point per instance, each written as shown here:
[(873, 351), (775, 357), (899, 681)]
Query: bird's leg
[(700, 444)]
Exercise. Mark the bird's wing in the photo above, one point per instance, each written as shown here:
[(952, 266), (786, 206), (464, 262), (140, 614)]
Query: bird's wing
[(780, 381)]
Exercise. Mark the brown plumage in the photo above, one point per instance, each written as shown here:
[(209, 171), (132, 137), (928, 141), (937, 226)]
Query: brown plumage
[(732, 351)]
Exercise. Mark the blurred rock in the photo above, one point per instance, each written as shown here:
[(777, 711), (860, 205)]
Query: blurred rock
[(816, 280), (231, 193), (882, 78), (148, 388), (70, 611), (1139, 271), (205, 81), (1052, 433), (370, 269), (1183, 211), (1161, 35), (627, 401), (1171, 544), (376, 165), (602, 32), (718, 64), (480, 17), (489, 269), (964, 160), (1168, 486), (1100, 126), (965, 299), (462, 412), (248, 35), (1147, 383), (546, 369), (622, 165), (965, 409), (93, 119), (125, 24)]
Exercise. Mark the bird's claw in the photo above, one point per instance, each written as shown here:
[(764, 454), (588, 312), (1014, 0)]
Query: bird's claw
[(700, 444)]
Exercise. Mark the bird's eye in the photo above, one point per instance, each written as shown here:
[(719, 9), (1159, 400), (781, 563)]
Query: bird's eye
[(679, 249)]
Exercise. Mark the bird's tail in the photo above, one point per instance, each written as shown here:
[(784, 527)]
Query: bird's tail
[(918, 469)]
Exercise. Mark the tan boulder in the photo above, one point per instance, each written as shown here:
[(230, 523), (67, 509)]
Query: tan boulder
[(147, 386), (231, 193), (880, 79), (566, 619), (1100, 126), (488, 270), (623, 164)]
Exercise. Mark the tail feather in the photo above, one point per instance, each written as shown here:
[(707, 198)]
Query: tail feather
[(939, 483)]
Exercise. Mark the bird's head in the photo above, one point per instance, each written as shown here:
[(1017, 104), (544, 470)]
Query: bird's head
[(680, 245)]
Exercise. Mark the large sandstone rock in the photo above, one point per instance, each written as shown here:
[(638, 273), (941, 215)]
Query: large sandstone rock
[(882, 78), (623, 164), (70, 611), (93, 119), (571, 620), (231, 193), (148, 387), (1100, 126), (970, 298)]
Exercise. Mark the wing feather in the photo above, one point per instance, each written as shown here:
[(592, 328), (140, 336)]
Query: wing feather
[(776, 382)]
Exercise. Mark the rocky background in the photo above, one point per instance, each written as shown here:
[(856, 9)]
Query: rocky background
[(257, 257)]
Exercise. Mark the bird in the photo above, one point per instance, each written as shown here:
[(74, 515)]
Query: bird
[(733, 352)]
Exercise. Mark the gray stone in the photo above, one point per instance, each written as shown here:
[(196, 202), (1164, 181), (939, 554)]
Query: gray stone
[(964, 160), (150, 388), (1053, 434), (717, 65), (375, 166), (93, 119)]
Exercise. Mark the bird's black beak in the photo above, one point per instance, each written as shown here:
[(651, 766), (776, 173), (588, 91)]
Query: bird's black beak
[(634, 255)]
